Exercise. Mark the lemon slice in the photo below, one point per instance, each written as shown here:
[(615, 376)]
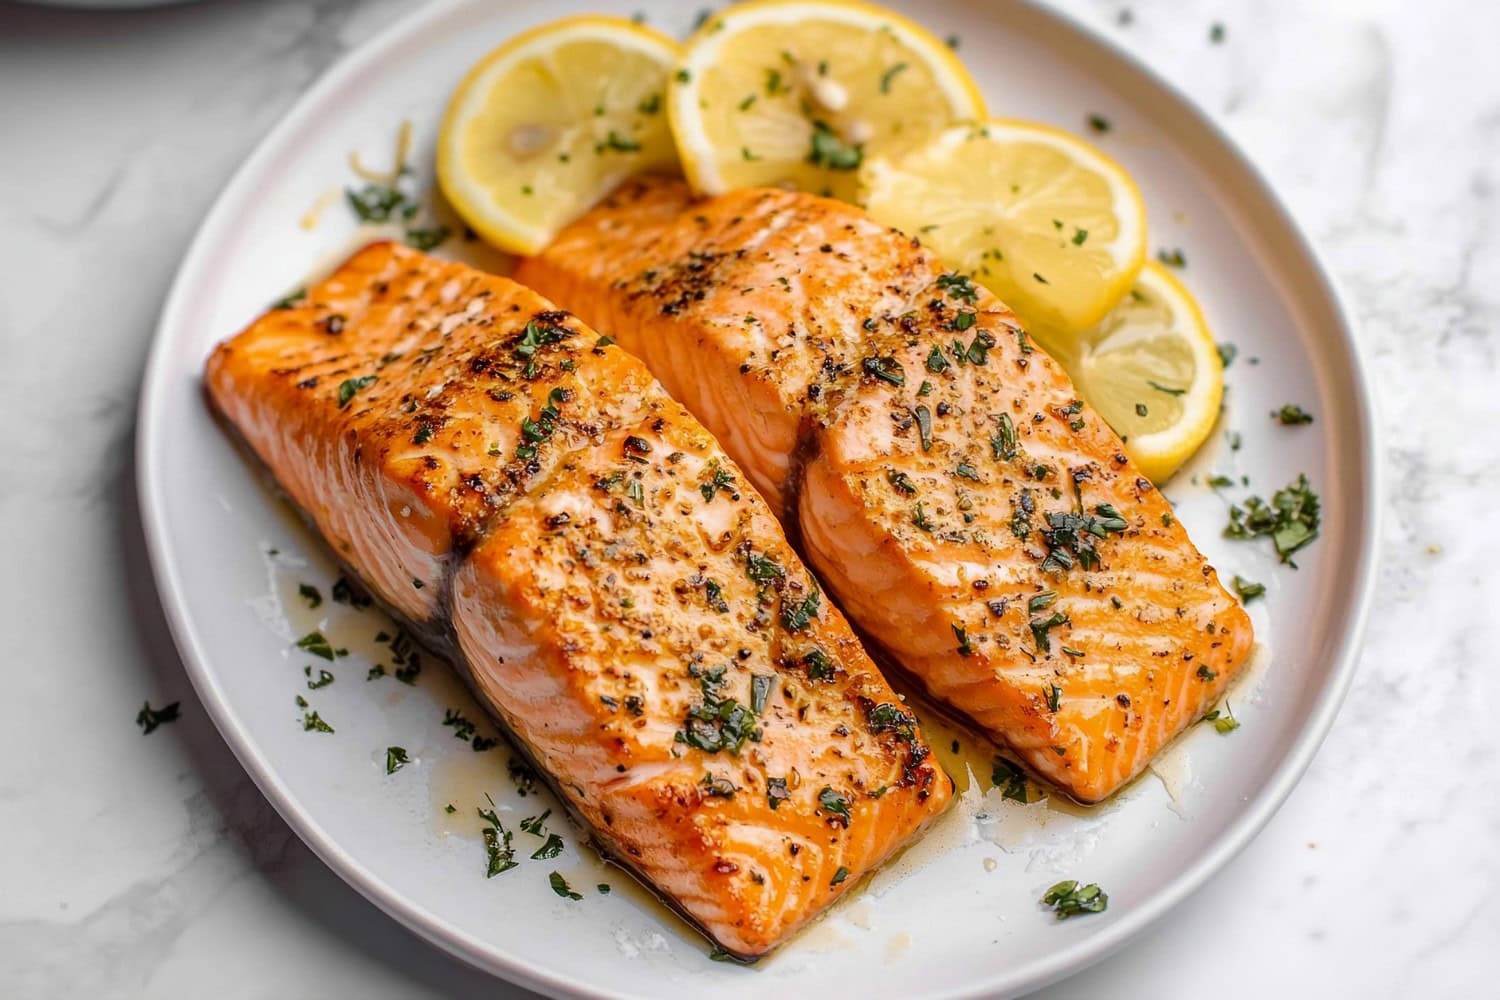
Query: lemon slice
[(800, 92), (1151, 370), (1042, 219), (548, 123)]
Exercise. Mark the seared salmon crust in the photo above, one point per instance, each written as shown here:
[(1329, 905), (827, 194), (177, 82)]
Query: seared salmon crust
[(528, 498), (964, 506)]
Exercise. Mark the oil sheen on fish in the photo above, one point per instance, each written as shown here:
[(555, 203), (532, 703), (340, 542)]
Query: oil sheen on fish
[(965, 507), (531, 500)]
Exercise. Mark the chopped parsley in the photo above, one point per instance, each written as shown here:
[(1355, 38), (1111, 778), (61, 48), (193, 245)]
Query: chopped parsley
[(719, 478), (831, 152), (533, 824), (533, 338), (620, 143), (978, 351), (497, 846), (1023, 505), (395, 759), (1172, 258), (936, 362), (312, 722), (291, 299), (317, 645), (762, 569), (324, 678), (924, 426), (1003, 444), (1098, 123), (350, 386), (1010, 779), (959, 287), (1292, 415), (839, 876), (796, 617), (149, 719), (713, 594), (1248, 590), (465, 730), (345, 592), (760, 691), (889, 718), (1040, 627), (379, 202), (1227, 353), (776, 792), (901, 482), (885, 369), (819, 666), (551, 848), (836, 805), (561, 887), (1291, 519), (889, 77), (1053, 696), (1069, 899), (534, 432), (1070, 537), (425, 239), (716, 723), (1224, 722)]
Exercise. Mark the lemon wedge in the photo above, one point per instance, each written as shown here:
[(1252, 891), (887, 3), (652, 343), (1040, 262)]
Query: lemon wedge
[(1048, 223), (799, 93), (548, 123), (1150, 369)]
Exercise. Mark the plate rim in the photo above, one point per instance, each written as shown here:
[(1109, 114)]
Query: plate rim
[(492, 958)]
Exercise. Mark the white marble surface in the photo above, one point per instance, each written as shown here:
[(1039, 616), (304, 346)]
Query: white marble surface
[(152, 867)]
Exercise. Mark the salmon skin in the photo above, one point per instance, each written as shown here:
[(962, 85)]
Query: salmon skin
[(965, 507), (530, 499)]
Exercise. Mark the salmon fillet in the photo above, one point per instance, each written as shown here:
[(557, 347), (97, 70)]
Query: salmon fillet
[(967, 510), (532, 503)]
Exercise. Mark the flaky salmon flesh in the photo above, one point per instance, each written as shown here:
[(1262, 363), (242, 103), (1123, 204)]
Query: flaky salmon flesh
[(967, 510), (530, 499)]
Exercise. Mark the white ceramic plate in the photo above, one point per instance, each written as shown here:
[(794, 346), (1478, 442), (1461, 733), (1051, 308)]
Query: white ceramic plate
[(956, 915)]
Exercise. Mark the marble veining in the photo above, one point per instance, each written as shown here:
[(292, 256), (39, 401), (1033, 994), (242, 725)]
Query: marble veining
[(151, 867)]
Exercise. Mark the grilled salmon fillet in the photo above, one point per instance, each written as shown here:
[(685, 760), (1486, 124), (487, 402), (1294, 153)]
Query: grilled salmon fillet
[(965, 507), (532, 502)]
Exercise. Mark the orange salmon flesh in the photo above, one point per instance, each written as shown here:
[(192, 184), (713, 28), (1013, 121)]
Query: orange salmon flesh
[(967, 510), (603, 574)]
